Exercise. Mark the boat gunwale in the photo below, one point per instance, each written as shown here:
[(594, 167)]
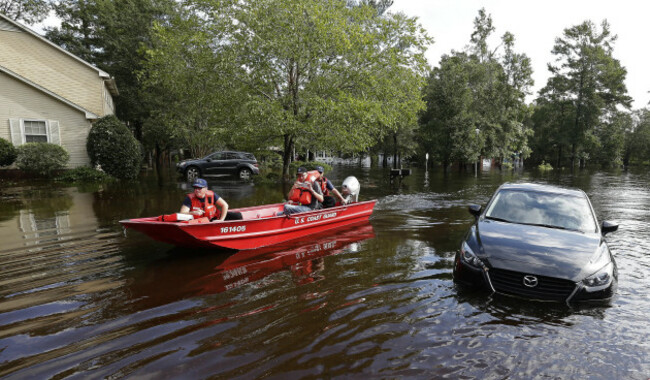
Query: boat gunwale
[(281, 230), (185, 225)]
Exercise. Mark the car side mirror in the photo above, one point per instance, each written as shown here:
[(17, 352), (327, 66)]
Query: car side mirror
[(607, 227), (475, 210)]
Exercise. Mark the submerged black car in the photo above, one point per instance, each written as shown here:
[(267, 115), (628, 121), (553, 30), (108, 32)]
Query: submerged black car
[(240, 164), (539, 242)]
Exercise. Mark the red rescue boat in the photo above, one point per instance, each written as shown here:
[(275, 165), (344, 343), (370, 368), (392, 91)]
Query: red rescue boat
[(259, 227)]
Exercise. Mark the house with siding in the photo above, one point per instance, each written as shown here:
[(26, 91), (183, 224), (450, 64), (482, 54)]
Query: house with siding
[(48, 94)]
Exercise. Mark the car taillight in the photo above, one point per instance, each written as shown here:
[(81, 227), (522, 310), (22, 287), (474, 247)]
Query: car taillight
[(256, 165)]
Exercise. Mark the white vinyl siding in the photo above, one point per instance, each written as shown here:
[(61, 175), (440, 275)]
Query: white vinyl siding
[(39, 62), (66, 125)]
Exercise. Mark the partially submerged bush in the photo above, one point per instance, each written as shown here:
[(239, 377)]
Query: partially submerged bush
[(112, 146), (8, 153), (84, 174), (545, 166), (41, 158)]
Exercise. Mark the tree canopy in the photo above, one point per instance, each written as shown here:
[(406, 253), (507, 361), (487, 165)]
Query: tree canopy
[(585, 90), (113, 36), (346, 76), (476, 100), (274, 70), (27, 11)]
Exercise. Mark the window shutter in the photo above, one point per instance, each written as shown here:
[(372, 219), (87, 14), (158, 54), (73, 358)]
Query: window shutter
[(16, 132), (53, 132)]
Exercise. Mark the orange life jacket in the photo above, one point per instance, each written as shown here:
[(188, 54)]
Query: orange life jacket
[(323, 186), (208, 205), (301, 195)]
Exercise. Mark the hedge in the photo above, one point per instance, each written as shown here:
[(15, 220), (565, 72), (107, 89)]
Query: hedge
[(41, 158)]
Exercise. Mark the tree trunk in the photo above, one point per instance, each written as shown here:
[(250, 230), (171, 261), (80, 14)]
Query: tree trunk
[(574, 148), (286, 156), (394, 150), (626, 158)]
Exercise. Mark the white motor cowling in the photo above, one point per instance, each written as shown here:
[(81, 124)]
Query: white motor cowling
[(351, 188)]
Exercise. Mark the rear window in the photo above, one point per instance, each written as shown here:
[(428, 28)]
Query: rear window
[(249, 156), (557, 210)]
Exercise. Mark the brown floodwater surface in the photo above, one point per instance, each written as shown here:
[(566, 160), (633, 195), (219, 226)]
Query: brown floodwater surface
[(79, 298)]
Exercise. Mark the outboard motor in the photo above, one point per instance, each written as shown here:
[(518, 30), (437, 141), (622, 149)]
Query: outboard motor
[(351, 188)]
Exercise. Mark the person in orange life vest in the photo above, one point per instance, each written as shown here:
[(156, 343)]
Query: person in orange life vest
[(204, 202), (327, 187), (306, 196)]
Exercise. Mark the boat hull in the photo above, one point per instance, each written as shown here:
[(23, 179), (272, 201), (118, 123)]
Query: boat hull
[(260, 226)]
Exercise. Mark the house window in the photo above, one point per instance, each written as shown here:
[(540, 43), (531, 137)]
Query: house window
[(35, 131)]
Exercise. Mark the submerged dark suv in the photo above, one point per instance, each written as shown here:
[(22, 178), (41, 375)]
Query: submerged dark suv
[(240, 164)]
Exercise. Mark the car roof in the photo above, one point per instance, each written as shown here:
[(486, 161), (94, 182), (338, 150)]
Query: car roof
[(542, 188), (229, 151)]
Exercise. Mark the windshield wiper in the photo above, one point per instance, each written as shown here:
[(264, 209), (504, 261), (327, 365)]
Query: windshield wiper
[(546, 225), (498, 219)]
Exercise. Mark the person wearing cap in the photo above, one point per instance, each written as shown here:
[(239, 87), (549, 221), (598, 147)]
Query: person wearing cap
[(303, 185), (202, 202), (327, 187)]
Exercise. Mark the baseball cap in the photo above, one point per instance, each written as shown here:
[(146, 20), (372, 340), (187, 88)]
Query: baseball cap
[(200, 182), (302, 170), (320, 169)]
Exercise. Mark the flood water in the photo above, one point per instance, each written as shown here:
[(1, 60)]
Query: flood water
[(79, 299)]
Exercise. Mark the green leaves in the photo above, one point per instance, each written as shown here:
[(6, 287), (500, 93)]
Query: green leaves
[(28, 11), (586, 88), (8, 153), (41, 158), (111, 146), (478, 90), (324, 74)]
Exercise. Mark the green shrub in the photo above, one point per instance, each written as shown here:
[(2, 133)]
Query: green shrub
[(41, 158), (544, 166), (111, 145), (83, 174), (8, 153), (269, 158)]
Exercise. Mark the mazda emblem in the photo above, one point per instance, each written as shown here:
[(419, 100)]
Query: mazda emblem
[(530, 281)]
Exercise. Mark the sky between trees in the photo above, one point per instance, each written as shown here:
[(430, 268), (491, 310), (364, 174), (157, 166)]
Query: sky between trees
[(535, 26)]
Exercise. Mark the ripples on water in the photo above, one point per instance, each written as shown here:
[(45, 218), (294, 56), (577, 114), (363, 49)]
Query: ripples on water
[(78, 299)]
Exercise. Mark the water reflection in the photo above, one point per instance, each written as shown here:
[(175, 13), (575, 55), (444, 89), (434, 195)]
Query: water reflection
[(42, 217), (77, 299), (197, 273)]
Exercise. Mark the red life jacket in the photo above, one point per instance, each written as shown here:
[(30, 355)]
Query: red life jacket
[(208, 205)]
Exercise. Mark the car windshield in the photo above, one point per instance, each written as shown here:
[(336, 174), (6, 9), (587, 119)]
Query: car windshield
[(545, 209)]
